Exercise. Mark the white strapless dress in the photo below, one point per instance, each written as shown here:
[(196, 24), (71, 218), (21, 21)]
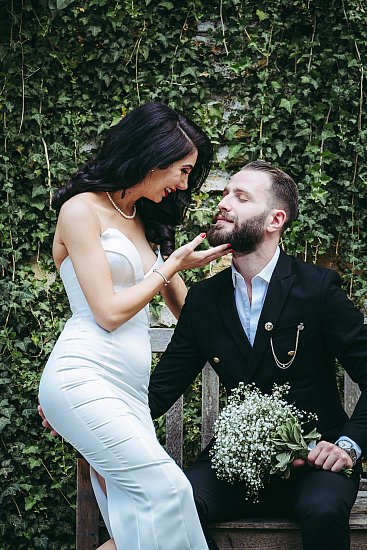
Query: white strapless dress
[(94, 392)]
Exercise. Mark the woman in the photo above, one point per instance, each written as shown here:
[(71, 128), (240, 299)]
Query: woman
[(94, 387)]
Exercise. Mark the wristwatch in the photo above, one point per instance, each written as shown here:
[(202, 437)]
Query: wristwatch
[(348, 448)]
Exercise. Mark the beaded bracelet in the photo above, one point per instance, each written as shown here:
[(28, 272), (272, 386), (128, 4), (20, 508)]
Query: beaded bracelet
[(166, 281)]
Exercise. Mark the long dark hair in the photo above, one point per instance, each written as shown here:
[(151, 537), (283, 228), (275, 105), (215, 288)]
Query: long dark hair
[(149, 137)]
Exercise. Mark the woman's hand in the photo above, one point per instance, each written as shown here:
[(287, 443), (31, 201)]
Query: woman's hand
[(187, 257), (174, 294), (45, 422)]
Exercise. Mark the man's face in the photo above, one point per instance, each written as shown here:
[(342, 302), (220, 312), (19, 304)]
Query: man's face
[(243, 212)]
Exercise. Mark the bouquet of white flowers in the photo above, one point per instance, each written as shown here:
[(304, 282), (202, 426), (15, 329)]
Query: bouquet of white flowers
[(258, 435)]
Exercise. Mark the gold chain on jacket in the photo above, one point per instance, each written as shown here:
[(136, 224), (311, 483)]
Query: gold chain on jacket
[(287, 365)]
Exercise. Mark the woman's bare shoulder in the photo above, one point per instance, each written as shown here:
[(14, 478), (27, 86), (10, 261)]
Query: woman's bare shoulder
[(78, 218), (82, 207)]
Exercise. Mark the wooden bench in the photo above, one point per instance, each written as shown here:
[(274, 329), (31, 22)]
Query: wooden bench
[(254, 533)]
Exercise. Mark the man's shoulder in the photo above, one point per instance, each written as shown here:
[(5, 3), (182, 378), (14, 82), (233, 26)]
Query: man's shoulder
[(309, 274), (211, 283), (310, 268)]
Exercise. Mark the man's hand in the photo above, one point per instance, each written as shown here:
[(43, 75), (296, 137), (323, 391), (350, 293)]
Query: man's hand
[(45, 423), (326, 456)]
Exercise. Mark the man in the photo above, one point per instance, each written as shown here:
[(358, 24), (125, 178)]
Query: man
[(271, 318)]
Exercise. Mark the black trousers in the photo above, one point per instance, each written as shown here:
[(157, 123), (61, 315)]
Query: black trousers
[(318, 500)]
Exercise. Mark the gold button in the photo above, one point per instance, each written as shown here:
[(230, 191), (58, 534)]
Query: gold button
[(269, 326), (216, 359), (290, 353)]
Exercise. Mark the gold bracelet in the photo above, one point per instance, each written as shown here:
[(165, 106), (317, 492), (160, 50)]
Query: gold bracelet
[(166, 281)]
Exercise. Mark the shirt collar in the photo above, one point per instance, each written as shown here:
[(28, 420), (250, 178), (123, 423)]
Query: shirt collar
[(265, 274)]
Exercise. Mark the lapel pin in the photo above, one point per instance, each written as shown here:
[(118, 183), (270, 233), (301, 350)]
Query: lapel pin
[(269, 326)]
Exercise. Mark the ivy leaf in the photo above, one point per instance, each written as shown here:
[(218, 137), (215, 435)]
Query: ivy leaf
[(280, 147), (3, 422), (34, 462), (95, 30), (189, 71), (328, 133), (262, 15), (286, 104), (303, 132), (31, 500), (38, 204), (60, 4), (38, 190), (167, 5)]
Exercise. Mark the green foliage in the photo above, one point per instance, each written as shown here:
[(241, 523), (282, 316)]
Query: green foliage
[(278, 80)]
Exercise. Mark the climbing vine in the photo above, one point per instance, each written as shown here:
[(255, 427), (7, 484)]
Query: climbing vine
[(280, 80)]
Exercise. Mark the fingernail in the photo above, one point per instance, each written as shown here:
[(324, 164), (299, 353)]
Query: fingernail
[(203, 235), (229, 245), (231, 251)]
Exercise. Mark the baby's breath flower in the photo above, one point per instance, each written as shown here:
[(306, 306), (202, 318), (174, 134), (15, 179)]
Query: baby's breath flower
[(252, 437)]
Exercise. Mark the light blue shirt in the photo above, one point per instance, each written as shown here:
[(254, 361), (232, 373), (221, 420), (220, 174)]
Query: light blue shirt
[(249, 313)]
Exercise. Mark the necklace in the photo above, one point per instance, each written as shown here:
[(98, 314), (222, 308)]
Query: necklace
[(119, 209)]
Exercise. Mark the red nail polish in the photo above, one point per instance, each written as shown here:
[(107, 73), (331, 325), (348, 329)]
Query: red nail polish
[(229, 245), (203, 235)]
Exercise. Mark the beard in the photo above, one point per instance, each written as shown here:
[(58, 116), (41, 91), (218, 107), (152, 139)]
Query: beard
[(244, 238)]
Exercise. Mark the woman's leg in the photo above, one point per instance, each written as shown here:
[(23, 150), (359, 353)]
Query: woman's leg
[(109, 545), (149, 500)]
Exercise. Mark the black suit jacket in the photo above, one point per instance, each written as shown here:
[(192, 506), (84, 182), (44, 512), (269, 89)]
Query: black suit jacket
[(209, 327)]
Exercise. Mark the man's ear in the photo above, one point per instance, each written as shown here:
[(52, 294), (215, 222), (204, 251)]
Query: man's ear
[(277, 220)]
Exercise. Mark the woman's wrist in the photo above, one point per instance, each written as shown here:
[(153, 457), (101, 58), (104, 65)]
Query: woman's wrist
[(170, 267), (165, 280)]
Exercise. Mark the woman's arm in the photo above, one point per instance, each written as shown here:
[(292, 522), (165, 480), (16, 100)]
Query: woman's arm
[(80, 230), (174, 295)]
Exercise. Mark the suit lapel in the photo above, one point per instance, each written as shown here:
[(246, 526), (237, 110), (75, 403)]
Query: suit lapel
[(279, 287), (228, 311)]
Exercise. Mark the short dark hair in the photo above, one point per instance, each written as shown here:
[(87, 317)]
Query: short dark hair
[(149, 137), (284, 192)]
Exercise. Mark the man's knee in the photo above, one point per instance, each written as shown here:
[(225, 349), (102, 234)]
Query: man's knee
[(325, 527), (324, 513)]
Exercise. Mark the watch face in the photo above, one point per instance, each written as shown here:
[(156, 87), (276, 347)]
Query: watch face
[(346, 445), (348, 448)]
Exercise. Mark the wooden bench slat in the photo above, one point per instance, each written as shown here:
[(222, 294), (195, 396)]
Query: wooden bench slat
[(359, 507), (351, 394), (270, 539), (358, 519), (257, 523), (270, 533), (87, 516), (209, 404), (265, 539), (174, 431), (160, 338)]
